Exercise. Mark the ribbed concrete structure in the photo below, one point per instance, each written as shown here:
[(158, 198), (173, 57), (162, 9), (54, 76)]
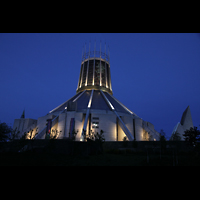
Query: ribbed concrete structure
[(185, 123)]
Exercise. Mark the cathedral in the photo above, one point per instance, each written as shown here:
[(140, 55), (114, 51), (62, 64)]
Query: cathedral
[(93, 109)]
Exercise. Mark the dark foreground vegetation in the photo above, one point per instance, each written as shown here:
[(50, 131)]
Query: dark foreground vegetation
[(70, 153), (106, 159)]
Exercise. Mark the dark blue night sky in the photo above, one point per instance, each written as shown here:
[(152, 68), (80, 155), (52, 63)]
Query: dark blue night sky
[(155, 75)]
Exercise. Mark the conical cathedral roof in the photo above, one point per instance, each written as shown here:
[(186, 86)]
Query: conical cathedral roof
[(79, 102), (94, 83)]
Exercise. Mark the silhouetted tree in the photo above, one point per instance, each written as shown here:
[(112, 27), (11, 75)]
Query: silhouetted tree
[(5, 130), (125, 141), (175, 137), (54, 134), (162, 135), (14, 134), (30, 135), (162, 142), (74, 133), (192, 135), (99, 137)]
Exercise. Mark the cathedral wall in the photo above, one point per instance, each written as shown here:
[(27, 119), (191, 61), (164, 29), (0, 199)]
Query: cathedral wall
[(97, 121), (120, 133), (78, 125), (42, 121), (138, 129), (150, 125), (145, 135), (152, 133), (107, 123), (61, 125), (24, 125), (129, 123), (18, 124), (68, 120)]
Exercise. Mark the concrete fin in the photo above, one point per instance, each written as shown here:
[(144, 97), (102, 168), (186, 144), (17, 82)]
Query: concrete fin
[(186, 119)]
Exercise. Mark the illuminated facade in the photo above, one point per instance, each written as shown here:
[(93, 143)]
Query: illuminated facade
[(94, 108)]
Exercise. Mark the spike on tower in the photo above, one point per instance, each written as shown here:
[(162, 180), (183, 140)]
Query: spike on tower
[(23, 114)]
